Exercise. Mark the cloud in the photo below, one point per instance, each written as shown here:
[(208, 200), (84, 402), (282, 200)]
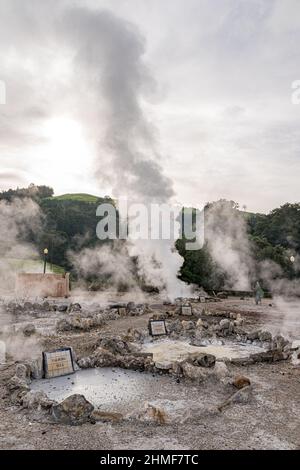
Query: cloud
[(209, 62)]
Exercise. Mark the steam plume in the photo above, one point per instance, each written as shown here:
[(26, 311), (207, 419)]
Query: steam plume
[(111, 51)]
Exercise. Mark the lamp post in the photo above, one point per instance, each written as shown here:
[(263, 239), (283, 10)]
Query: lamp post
[(45, 258)]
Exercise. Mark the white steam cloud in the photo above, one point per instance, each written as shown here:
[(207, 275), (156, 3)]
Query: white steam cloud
[(16, 219), (110, 52), (228, 243)]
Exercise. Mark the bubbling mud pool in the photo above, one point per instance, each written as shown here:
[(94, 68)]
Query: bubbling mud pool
[(171, 350), (116, 389), (110, 389)]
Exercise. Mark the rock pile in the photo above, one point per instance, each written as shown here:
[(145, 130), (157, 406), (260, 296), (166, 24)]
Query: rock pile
[(18, 385), (116, 352), (80, 322), (202, 332), (36, 400), (130, 309), (74, 410)]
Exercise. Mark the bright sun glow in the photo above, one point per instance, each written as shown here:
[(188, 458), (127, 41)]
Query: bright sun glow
[(65, 153)]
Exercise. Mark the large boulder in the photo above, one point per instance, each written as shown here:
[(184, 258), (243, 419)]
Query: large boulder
[(134, 335), (279, 342), (254, 335), (240, 381), (79, 322), (164, 365), (265, 336), (64, 325), (224, 324), (23, 371), (135, 309), (202, 359), (188, 325), (104, 358), (192, 372), (74, 410), (76, 307), (114, 345), (35, 367), (296, 357), (220, 370), (174, 327), (17, 387), (239, 320), (225, 327), (62, 308)]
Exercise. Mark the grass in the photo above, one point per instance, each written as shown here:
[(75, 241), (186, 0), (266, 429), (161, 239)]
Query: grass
[(33, 266), (77, 197)]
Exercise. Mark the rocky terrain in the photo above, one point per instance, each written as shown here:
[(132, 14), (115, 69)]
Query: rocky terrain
[(223, 378)]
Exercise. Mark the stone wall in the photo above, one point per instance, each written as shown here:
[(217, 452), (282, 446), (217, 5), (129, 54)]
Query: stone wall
[(42, 285)]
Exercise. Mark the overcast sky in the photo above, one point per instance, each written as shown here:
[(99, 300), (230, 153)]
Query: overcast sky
[(211, 79)]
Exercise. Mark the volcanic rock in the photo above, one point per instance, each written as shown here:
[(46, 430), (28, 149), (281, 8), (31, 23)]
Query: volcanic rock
[(254, 335), (23, 372), (29, 329), (265, 336), (224, 324), (187, 325), (76, 307), (36, 400), (202, 359), (18, 388), (192, 372), (240, 381), (17, 383), (74, 410), (62, 308), (279, 342), (220, 370)]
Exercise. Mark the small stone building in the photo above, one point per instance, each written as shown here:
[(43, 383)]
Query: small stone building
[(42, 285)]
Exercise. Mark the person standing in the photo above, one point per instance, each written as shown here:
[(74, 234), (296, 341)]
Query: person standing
[(258, 293)]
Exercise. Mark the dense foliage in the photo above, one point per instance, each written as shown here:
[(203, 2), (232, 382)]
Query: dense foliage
[(272, 240), (69, 223), (35, 192)]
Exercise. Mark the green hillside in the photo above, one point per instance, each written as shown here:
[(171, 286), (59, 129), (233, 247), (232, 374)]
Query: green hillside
[(69, 221), (33, 266), (77, 197)]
